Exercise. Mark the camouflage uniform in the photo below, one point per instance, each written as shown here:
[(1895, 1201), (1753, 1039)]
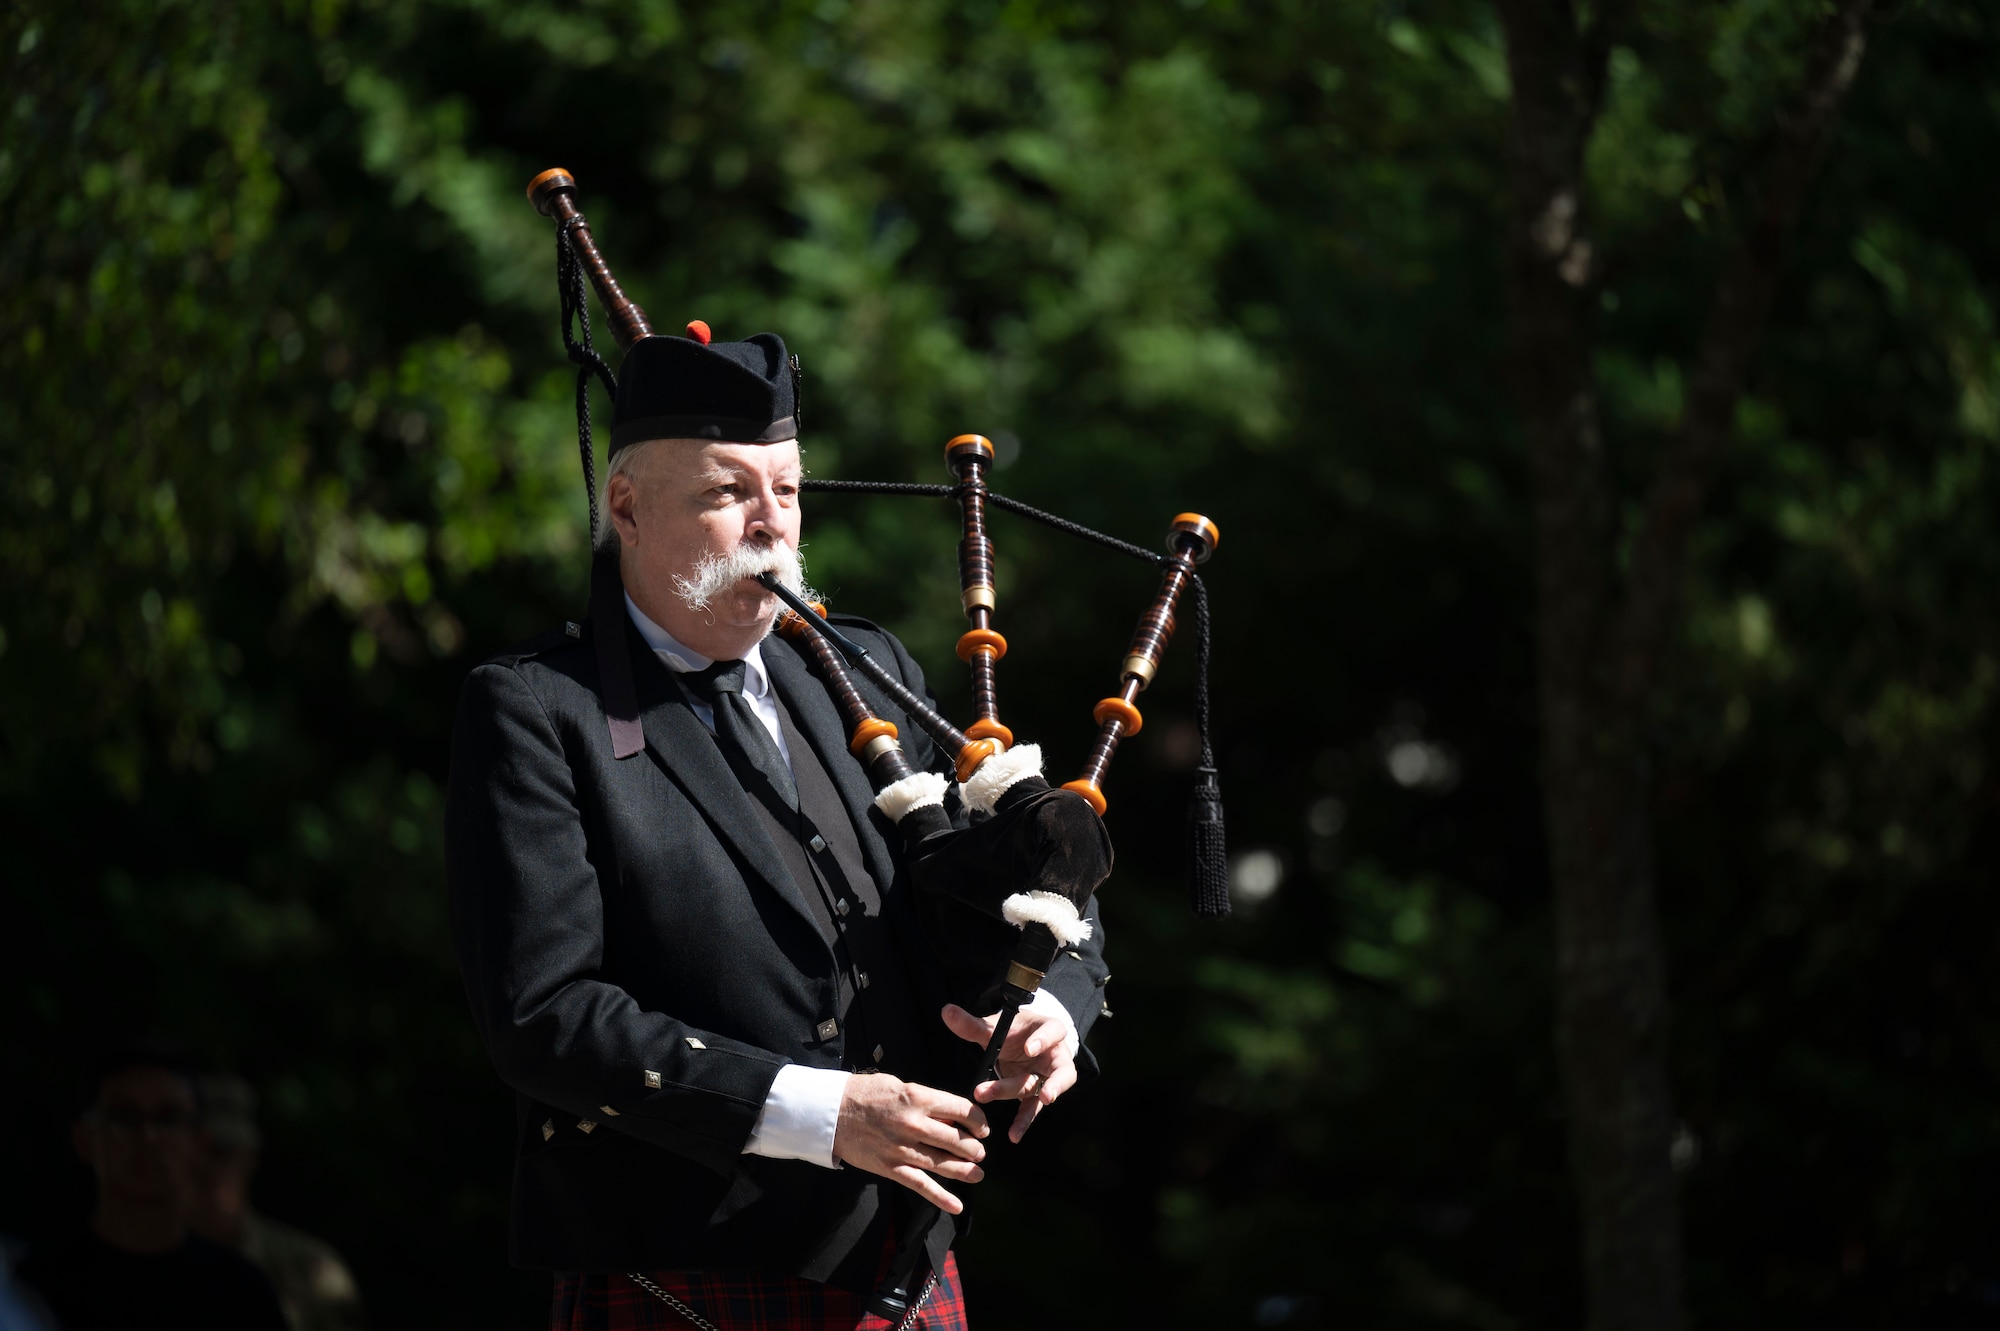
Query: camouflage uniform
[(314, 1285)]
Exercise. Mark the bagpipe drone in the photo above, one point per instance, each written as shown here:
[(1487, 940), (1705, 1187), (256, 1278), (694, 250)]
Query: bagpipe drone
[(1000, 896)]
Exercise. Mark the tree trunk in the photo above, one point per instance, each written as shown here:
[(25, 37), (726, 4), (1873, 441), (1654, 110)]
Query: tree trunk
[(1599, 637), (1611, 1005)]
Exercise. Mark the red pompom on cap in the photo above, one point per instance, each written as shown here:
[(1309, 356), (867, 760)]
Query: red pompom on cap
[(698, 331)]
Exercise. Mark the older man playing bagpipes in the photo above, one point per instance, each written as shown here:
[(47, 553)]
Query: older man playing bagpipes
[(751, 928)]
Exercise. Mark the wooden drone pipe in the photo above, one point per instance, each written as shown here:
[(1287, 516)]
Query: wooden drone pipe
[(967, 753), (969, 456), (1191, 539), (553, 193), (870, 738)]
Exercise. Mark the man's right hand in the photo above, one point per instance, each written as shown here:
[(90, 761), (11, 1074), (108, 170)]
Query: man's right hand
[(908, 1132)]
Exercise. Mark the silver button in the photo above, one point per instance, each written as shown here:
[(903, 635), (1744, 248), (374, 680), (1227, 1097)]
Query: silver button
[(652, 1080), (573, 629), (840, 908), (878, 1053), (1104, 1009), (861, 978), (607, 1111), (548, 1128), (818, 843), (1105, 980), (828, 1029), (694, 1043), (586, 1126)]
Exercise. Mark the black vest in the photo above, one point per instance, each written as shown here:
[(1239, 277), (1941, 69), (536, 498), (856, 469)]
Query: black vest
[(876, 1007)]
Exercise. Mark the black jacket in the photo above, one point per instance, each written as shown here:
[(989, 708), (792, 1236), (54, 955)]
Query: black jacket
[(625, 923)]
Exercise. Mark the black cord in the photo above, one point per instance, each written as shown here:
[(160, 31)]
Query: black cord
[(1028, 511), (1139, 552), (1201, 642), (879, 487), (576, 305)]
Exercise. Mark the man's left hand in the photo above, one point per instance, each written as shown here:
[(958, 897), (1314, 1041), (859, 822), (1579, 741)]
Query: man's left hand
[(1037, 1063)]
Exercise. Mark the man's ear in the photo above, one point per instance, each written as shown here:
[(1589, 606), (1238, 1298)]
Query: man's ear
[(621, 497)]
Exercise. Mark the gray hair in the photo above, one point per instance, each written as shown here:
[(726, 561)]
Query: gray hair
[(632, 461)]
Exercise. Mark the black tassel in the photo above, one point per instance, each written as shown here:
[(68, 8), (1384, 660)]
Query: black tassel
[(1208, 857), (1208, 851)]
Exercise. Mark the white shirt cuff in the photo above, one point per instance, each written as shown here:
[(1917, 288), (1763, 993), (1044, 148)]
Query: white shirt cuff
[(800, 1115), (1051, 1006)]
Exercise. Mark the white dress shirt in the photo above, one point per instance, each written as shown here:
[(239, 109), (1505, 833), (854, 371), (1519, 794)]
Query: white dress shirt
[(802, 1112)]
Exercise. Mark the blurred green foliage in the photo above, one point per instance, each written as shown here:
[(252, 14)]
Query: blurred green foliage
[(288, 447)]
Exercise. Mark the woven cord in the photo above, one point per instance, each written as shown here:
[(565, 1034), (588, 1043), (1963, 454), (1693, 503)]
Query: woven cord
[(1208, 862), (576, 305), (1201, 645)]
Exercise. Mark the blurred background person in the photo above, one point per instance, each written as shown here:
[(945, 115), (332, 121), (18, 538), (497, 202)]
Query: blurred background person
[(314, 1286), (138, 1264), (21, 1308)]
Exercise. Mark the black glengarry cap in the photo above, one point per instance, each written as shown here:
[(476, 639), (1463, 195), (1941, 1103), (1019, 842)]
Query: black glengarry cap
[(688, 388)]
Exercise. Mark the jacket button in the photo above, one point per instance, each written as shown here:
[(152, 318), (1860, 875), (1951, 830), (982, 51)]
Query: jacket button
[(818, 843), (841, 908), (548, 1128), (861, 978), (878, 1053), (827, 1029), (652, 1080)]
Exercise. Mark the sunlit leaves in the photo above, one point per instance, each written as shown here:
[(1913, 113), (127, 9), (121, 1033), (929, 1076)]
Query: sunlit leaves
[(1934, 291)]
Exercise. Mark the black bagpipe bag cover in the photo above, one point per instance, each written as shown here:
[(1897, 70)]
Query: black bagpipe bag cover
[(1038, 839)]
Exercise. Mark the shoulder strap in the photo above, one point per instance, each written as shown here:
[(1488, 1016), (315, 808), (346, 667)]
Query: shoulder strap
[(614, 657)]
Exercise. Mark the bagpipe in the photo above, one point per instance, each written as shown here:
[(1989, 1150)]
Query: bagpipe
[(1001, 892)]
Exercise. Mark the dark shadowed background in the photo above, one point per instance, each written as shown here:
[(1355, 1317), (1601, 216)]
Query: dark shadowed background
[(288, 447)]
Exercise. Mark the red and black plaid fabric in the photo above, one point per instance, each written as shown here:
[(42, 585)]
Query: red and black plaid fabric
[(738, 1301)]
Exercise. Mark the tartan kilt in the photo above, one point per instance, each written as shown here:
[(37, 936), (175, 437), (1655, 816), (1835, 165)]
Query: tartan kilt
[(738, 1301)]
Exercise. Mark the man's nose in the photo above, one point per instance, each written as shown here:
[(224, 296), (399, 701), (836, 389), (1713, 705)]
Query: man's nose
[(762, 522)]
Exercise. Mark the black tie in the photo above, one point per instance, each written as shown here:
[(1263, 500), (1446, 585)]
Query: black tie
[(741, 733)]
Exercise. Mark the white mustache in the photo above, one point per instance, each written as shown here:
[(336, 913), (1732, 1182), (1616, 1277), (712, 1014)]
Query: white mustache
[(716, 574)]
